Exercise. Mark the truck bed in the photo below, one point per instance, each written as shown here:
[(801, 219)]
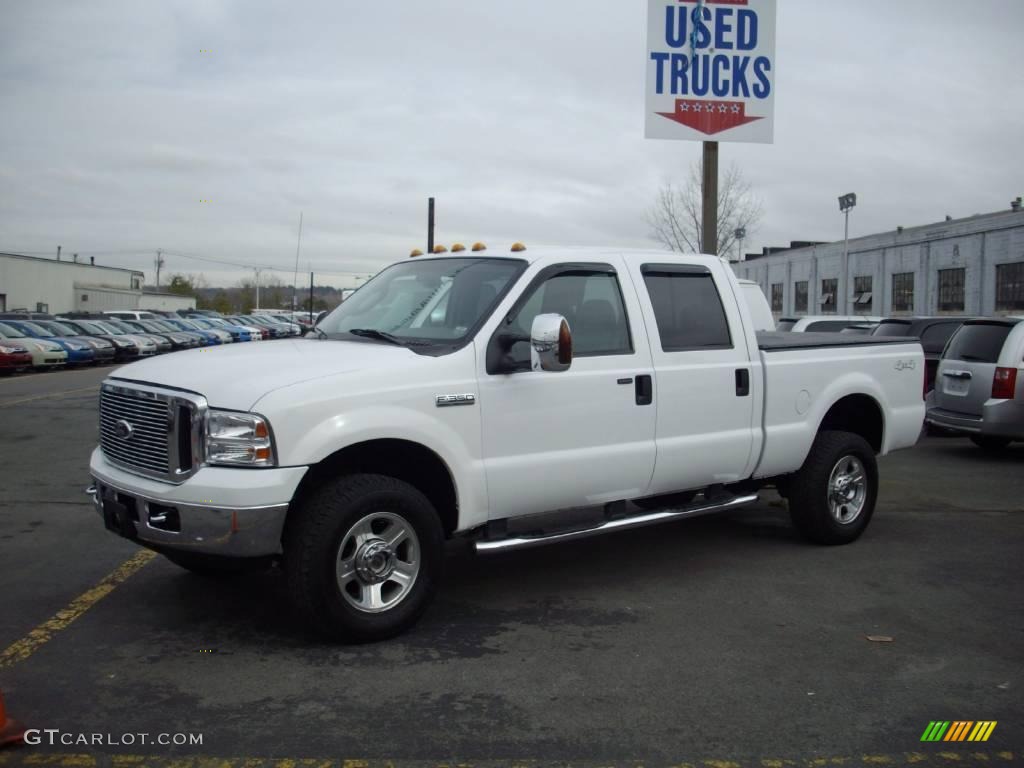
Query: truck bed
[(778, 341)]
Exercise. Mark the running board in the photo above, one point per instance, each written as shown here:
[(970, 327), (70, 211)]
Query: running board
[(619, 524)]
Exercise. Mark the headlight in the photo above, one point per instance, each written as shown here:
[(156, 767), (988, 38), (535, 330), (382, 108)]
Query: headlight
[(238, 439)]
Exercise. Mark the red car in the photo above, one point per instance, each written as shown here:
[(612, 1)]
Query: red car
[(13, 357)]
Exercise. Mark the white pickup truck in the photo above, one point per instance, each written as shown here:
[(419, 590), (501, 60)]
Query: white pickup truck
[(509, 400)]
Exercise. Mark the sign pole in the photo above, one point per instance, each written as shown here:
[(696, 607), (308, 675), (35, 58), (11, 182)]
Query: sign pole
[(709, 203), (430, 225)]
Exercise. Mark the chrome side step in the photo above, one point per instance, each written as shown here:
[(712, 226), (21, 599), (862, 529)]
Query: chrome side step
[(619, 524)]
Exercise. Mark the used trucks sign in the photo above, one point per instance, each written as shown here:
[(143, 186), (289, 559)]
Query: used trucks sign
[(711, 70)]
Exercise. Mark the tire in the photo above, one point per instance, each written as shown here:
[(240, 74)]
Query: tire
[(816, 514), (215, 567), (666, 500), (990, 444), (346, 523)]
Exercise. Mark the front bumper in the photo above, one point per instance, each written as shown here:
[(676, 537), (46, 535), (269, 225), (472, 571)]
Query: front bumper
[(217, 511), (1000, 418)]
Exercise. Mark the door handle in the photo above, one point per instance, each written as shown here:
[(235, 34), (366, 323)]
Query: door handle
[(644, 390), (742, 382), (957, 374)]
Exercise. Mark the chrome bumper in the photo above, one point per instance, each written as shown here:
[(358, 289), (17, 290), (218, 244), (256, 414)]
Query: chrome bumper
[(215, 530)]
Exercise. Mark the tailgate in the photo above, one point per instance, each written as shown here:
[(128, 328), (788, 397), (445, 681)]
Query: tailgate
[(964, 380)]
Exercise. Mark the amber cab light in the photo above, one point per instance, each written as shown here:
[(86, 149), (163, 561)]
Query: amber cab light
[(1004, 383)]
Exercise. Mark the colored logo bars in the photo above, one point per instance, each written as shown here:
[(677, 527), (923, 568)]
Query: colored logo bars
[(958, 730)]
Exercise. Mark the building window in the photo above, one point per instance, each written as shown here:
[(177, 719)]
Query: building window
[(85, 297), (776, 297), (951, 290), (903, 292), (1010, 286), (800, 296), (829, 288), (862, 297)]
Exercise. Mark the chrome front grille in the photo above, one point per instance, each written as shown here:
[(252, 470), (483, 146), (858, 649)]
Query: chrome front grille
[(151, 432)]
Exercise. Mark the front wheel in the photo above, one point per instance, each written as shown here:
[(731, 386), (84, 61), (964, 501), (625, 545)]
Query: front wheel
[(990, 444), (832, 496), (363, 557)]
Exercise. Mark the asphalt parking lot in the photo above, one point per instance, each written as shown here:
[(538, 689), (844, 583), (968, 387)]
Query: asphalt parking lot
[(715, 641)]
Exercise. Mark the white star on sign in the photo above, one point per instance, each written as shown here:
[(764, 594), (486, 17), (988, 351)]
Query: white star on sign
[(735, 109), (722, 108), (696, 107), (683, 106)]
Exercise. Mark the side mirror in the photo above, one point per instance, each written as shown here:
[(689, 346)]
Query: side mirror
[(550, 343)]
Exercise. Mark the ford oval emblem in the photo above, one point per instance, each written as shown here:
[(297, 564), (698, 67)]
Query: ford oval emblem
[(123, 430)]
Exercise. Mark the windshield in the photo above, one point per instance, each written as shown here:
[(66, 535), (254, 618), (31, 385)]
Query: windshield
[(437, 301), (60, 329), (93, 328), (10, 332), (37, 329)]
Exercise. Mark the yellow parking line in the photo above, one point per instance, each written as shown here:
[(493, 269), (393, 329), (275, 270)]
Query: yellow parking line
[(21, 649), (47, 396)]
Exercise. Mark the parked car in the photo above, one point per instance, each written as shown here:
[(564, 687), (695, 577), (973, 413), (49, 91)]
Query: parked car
[(105, 351), (129, 346), (821, 323), (757, 304), (13, 357), (548, 381), (265, 333), (236, 332), (276, 330), (45, 354), (130, 314), (79, 352), (163, 344), (976, 391), (178, 339), (933, 332), (211, 336)]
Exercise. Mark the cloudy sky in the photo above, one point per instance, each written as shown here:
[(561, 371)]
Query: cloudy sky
[(524, 120)]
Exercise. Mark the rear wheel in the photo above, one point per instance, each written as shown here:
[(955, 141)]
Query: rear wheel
[(990, 444), (363, 557), (832, 496)]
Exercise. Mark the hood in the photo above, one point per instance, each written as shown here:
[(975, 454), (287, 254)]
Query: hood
[(237, 375)]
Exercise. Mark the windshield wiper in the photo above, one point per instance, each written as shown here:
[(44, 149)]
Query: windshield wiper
[(373, 333)]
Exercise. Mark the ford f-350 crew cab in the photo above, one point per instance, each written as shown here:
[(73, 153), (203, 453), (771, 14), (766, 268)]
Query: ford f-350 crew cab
[(509, 400)]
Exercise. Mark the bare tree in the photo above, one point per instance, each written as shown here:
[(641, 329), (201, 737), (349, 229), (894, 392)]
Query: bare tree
[(675, 218)]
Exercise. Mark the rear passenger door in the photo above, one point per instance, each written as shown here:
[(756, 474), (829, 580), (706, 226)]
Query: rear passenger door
[(703, 377)]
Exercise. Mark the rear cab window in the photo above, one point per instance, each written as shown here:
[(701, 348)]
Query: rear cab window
[(687, 307), (892, 329)]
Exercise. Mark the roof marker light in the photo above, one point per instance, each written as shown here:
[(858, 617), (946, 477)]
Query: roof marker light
[(415, 252), (479, 247), (517, 247), (456, 247), (440, 249)]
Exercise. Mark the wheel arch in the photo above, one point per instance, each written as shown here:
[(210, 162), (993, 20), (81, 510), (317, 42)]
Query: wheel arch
[(404, 460), (860, 414)]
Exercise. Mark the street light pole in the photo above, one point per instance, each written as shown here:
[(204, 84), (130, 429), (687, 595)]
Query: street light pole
[(846, 204), (740, 233)]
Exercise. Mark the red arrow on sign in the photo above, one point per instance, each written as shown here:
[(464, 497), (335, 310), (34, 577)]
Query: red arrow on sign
[(710, 116)]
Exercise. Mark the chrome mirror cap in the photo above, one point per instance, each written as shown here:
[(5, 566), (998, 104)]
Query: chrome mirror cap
[(550, 343)]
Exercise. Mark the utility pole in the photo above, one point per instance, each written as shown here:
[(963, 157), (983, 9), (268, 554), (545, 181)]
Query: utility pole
[(159, 264), (58, 253), (430, 225), (257, 271), (295, 277), (846, 204), (310, 298), (709, 204)]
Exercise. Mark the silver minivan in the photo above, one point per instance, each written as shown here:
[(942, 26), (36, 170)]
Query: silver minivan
[(976, 390)]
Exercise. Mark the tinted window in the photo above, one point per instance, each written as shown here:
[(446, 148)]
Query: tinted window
[(785, 325), (892, 329), (978, 343), (591, 302), (827, 326), (687, 308), (935, 336)]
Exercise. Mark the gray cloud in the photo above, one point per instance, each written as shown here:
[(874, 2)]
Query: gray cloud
[(525, 120)]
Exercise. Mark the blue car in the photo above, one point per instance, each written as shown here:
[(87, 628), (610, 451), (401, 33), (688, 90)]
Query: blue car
[(210, 336), (238, 333), (79, 353)]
